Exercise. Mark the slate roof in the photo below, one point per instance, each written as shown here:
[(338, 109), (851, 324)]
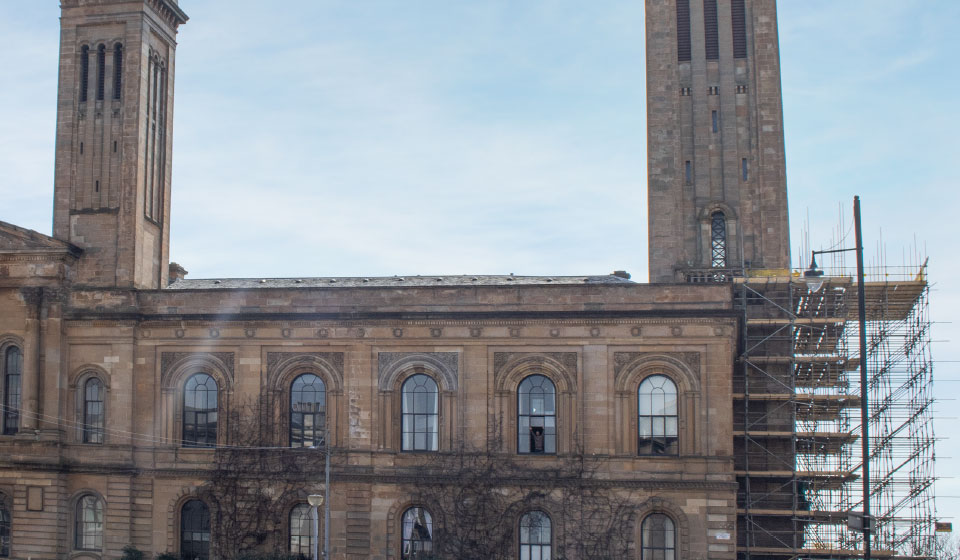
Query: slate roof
[(22, 240), (392, 282)]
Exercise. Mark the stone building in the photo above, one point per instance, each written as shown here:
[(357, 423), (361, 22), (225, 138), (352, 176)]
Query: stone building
[(123, 382)]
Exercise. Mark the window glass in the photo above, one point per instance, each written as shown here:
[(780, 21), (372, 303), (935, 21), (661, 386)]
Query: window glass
[(535, 536), (308, 411), (420, 413), (537, 415), (657, 426), (12, 371), (89, 524), (417, 534), (200, 411), (93, 411), (658, 538), (301, 530), (195, 531), (5, 522)]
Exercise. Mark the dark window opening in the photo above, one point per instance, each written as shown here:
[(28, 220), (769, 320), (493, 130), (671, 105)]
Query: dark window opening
[(710, 33), (84, 72), (537, 416), (117, 70), (12, 372), (417, 534), (738, 15), (308, 410), (688, 172), (657, 424), (81, 148), (96, 187), (744, 169), (683, 30), (200, 411), (715, 121), (101, 69), (195, 531), (718, 240), (114, 146), (420, 413)]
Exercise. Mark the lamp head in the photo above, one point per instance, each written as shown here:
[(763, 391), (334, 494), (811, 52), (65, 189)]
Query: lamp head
[(813, 276), (315, 500)]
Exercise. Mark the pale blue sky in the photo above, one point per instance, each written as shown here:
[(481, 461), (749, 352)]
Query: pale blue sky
[(387, 137)]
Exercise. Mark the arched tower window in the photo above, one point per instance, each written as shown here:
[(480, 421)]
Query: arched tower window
[(200, 411), (194, 531), (89, 523), (93, 411), (84, 72), (12, 375), (6, 520), (117, 70), (718, 240), (307, 411), (658, 539), (657, 417), (417, 534), (535, 536), (537, 416), (420, 413), (301, 531), (101, 70)]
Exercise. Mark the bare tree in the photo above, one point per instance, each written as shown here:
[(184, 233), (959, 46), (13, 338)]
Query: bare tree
[(252, 482)]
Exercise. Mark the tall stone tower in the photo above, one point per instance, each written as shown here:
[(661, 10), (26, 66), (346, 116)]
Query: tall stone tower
[(717, 178), (114, 129)]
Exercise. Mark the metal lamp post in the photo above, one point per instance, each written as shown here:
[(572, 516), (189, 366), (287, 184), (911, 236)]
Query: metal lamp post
[(814, 279), (315, 501)]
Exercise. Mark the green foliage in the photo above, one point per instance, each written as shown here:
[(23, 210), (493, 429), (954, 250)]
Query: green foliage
[(167, 556), (131, 552)]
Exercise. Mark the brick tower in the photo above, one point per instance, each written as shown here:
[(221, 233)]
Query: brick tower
[(114, 129), (717, 179)]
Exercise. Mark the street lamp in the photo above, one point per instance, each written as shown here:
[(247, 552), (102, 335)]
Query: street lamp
[(315, 501), (814, 279)]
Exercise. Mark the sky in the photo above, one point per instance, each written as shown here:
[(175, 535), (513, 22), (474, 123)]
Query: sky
[(342, 138)]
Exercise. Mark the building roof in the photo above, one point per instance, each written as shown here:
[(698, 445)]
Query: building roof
[(393, 281)]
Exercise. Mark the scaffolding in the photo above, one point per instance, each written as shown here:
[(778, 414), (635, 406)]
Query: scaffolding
[(797, 419)]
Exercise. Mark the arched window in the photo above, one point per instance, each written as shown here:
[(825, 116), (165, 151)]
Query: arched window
[(200, 411), (417, 534), (537, 416), (12, 372), (5, 522), (117, 70), (89, 523), (194, 531), (420, 416), (657, 416), (718, 240), (308, 410), (93, 411), (658, 539), (535, 536), (101, 70), (301, 530), (84, 72)]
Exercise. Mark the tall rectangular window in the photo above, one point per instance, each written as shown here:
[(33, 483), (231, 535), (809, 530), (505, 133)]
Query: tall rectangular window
[(738, 15), (683, 30), (117, 70), (744, 169), (710, 32), (84, 72), (101, 68), (688, 172), (716, 121)]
